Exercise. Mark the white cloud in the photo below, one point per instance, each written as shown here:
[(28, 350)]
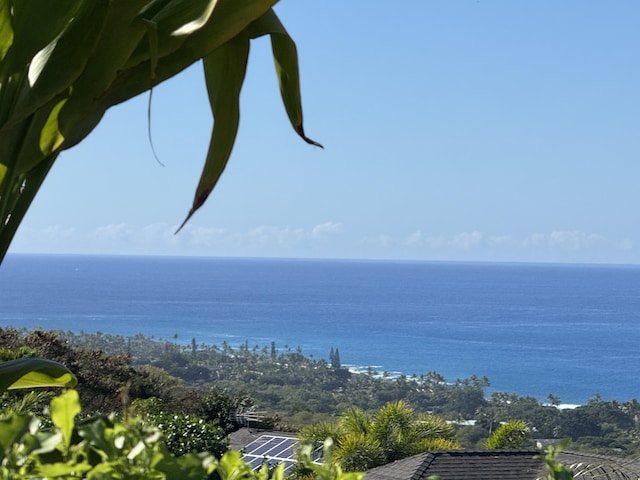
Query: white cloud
[(383, 240), (416, 238), (287, 236), (625, 244), (271, 235), (466, 240), (326, 228), (419, 239), (499, 240), (565, 240), (474, 245), (38, 240), (113, 233), (58, 232), (460, 241), (196, 239), (196, 236)]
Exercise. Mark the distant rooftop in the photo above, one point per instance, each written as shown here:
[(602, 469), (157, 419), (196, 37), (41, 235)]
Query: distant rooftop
[(503, 465), (463, 465)]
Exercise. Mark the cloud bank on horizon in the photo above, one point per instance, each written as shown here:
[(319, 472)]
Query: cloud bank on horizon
[(327, 240)]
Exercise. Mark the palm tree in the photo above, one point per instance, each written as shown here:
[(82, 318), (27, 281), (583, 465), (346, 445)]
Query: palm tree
[(402, 433), (511, 434), (395, 431), (63, 64)]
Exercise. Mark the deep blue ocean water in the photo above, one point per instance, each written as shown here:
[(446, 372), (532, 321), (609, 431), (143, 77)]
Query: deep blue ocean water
[(570, 330)]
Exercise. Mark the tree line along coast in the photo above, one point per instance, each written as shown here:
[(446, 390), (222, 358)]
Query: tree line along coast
[(192, 388)]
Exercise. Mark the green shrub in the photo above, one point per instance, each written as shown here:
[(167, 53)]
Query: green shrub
[(186, 434)]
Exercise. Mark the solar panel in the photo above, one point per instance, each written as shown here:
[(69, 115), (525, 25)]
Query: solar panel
[(274, 450)]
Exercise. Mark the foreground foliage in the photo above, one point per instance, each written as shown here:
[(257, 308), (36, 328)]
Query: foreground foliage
[(105, 448), (64, 63)]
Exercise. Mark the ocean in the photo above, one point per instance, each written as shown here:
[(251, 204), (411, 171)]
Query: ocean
[(532, 329)]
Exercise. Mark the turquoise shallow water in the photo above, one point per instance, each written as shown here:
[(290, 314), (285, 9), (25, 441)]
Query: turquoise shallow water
[(532, 329)]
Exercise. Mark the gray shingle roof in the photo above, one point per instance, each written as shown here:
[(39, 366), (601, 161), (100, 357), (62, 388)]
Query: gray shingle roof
[(463, 465), (503, 465), (588, 466)]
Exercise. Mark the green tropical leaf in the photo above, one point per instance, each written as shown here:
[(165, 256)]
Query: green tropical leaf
[(35, 24), (285, 56), (50, 136), (19, 199), (34, 372), (228, 19), (64, 409), (13, 428), (66, 61), (6, 29), (183, 17)]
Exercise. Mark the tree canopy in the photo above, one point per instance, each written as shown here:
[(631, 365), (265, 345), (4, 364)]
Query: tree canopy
[(395, 431)]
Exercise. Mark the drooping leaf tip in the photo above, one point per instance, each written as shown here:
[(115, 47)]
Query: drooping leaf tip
[(300, 131), (189, 215)]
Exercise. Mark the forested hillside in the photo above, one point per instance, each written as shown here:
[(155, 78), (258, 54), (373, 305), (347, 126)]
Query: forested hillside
[(287, 390)]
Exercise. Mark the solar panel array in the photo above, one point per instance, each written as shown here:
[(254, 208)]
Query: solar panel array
[(274, 450)]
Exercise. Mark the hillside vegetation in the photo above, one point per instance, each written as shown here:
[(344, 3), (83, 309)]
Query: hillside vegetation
[(284, 389)]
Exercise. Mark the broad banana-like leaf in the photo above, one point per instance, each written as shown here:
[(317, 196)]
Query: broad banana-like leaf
[(34, 372), (63, 63)]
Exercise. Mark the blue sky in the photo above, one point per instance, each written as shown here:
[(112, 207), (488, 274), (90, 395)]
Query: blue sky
[(454, 130)]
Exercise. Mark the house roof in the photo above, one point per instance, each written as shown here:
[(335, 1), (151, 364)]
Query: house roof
[(463, 465), (502, 464), (588, 466)]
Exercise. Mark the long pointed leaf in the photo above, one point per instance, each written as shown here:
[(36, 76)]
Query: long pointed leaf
[(285, 56), (224, 70), (20, 201)]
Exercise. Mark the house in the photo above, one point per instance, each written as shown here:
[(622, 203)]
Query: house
[(502, 465), (276, 447)]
